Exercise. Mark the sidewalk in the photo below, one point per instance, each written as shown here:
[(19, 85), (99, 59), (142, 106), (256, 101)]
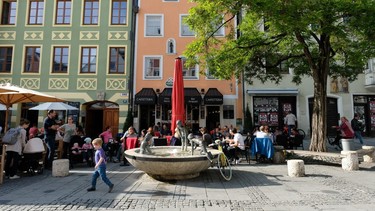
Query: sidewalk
[(253, 187)]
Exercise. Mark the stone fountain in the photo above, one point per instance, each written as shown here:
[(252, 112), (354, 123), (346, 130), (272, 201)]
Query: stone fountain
[(170, 162)]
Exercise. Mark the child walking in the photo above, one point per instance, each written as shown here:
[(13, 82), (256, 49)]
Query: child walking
[(100, 166)]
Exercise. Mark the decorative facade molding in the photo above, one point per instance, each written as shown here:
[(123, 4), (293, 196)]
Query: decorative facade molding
[(30, 83), (115, 84), (33, 35), (115, 35), (87, 83), (7, 35), (58, 83), (89, 35), (61, 35), (5, 80)]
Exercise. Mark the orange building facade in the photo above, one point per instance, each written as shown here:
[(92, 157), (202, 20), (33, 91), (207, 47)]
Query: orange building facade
[(161, 36)]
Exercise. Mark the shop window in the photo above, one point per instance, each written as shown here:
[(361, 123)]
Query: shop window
[(166, 112), (228, 111), (192, 112), (266, 111)]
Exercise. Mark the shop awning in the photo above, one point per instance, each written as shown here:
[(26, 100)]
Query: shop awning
[(146, 96), (165, 96), (213, 97), (272, 91), (192, 96)]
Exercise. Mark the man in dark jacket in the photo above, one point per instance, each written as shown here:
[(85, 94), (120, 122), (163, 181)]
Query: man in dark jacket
[(357, 127), (50, 128)]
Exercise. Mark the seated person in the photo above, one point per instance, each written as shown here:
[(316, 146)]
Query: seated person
[(235, 145), (76, 149), (87, 150)]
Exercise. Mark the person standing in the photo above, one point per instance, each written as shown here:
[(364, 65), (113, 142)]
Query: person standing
[(107, 139), (14, 151), (357, 127), (50, 129), (290, 120), (100, 166), (69, 129)]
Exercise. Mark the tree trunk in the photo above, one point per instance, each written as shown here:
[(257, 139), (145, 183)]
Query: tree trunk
[(319, 121), (320, 70)]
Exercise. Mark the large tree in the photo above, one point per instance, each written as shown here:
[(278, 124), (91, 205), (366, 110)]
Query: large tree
[(316, 38)]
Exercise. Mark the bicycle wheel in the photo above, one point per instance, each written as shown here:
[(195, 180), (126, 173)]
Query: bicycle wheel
[(302, 133), (224, 166)]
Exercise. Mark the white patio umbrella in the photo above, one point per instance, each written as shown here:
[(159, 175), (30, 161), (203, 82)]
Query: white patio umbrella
[(16, 94), (54, 106)]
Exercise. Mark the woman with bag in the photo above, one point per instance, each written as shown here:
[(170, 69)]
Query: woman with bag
[(14, 151)]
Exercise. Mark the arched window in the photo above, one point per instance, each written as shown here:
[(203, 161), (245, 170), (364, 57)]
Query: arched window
[(171, 46)]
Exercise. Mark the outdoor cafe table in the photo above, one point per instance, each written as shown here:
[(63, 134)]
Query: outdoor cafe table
[(262, 146), (131, 142)]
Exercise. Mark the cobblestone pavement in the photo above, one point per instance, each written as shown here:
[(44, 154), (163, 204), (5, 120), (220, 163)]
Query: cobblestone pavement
[(253, 187)]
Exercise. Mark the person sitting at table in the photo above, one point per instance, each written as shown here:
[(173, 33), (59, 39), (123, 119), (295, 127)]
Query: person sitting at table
[(217, 135), (263, 132), (130, 133), (165, 131), (235, 145)]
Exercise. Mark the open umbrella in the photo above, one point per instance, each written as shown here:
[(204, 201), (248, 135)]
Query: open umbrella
[(54, 106), (17, 94), (178, 102)]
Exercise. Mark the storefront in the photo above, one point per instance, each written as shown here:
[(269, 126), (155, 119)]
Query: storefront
[(269, 108), (364, 105), (144, 110)]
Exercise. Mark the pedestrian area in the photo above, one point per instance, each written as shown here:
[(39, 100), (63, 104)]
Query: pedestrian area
[(258, 186)]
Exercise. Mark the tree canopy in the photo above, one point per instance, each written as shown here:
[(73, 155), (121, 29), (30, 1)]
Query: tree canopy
[(317, 38)]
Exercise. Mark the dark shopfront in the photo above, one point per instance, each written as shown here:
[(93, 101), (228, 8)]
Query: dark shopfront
[(364, 105), (146, 99), (270, 110), (192, 101)]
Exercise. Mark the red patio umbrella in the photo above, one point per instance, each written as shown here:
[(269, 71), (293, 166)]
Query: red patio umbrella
[(178, 97)]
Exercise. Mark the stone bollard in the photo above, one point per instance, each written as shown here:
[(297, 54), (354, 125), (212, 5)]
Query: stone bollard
[(60, 168), (350, 161), (278, 156), (370, 158), (296, 168)]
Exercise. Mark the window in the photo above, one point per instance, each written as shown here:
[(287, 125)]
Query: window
[(117, 60), (91, 12), (154, 25), (60, 59), (185, 29), (32, 60), (36, 10), (189, 72), (152, 67), (8, 13), (228, 111), (119, 12), (6, 59), (220, 31), (282, 68), (63, 11), (88, 60)]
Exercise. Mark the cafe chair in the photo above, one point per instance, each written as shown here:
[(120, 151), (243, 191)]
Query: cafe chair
[(160, 142)]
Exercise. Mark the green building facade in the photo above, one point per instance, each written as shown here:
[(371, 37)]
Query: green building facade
[(78, 50)]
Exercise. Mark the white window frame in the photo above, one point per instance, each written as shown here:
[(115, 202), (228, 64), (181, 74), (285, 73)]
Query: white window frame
[(161, 27), (189, 77), (146, 71), (185, 27)]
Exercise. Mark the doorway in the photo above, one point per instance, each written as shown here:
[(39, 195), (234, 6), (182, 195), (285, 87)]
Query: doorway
[(213, 117), (147, 116), (332, 115), (99, 115)]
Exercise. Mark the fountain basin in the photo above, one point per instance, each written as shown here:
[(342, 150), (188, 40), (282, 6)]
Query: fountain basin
[(169, 162)]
